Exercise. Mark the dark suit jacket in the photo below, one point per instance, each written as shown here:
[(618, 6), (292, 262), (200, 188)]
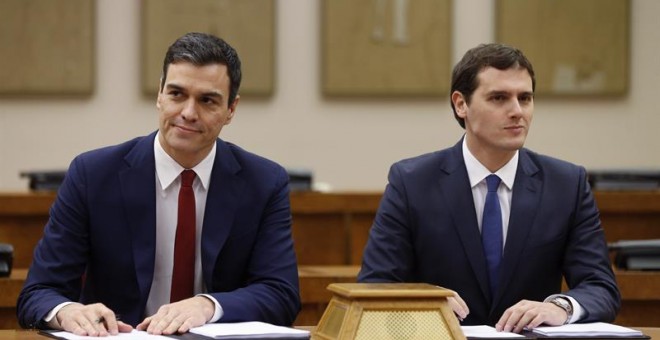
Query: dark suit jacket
[(426, 231), (103, 225)]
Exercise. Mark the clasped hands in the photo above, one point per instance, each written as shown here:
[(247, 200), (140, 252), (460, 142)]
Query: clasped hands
[(524, 314), (98, 320)]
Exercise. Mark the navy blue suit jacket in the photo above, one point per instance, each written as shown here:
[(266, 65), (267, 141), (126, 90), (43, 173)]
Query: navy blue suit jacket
[(103, 225), (426, 231)]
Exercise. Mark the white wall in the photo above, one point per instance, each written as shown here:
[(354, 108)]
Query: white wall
[(349, 144)]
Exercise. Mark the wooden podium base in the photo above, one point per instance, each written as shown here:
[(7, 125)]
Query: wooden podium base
[(388, 311)]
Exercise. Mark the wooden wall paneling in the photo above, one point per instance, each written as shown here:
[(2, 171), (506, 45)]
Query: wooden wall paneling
[(10, 288), (23, 233), (320, 238), (621, 226), (359, 233), (576, 47), (640, 298), (22, 220), (364, 43), (247, 25), (629, 215), (47, 47)]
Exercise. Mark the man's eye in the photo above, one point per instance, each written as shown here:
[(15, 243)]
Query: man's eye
[(207, 100)]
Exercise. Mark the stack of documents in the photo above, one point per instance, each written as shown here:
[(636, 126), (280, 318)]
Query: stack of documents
[(594, 329), (247, 330)]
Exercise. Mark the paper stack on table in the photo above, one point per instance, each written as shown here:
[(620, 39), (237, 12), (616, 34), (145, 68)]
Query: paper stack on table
[(588, 329)]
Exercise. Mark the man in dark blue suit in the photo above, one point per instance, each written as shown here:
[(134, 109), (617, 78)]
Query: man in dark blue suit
[(108, 250), (429, 224)]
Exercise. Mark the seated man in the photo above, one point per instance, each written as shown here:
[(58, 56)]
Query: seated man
[(172, 230), (495, 222)]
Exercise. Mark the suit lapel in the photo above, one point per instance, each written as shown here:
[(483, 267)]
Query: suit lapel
[(524, 202), (458, 195), (138, 188), (224, 196)]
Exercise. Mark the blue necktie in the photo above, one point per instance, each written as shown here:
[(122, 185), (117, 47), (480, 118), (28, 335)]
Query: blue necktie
[(491, 232)]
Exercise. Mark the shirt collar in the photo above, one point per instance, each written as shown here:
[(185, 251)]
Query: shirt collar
[(168, 170), (477, 172)]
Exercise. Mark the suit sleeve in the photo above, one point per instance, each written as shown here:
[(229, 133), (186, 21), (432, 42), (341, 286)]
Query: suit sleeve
[(271, 293), (587, 268), (59, 259), (389, 254)]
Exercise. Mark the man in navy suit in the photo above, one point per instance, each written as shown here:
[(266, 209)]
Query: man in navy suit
[(108, 249), (428, 226)]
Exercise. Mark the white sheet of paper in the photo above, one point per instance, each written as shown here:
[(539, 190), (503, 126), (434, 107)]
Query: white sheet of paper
[(139, 335), (247, 329), (487, 332)]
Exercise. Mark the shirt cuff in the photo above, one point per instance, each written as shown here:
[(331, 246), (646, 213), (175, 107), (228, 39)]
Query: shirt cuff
[(54, 311), (218, 313), (577, 309)]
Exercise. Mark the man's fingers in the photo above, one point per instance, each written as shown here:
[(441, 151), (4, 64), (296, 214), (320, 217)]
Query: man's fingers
[(185, 326), (92, 320), (124, 327), (177, 323), (524, 321), (166, 325), (83, 326), (144, 324), (109, 321), (537, 321), (462, 303), (530, 314), (510, 318), (99, 327), (157, 326), (458, 306), (179, 316)]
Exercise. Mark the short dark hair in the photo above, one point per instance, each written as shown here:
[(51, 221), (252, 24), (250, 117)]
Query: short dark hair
[(499, 56), (202, 49)]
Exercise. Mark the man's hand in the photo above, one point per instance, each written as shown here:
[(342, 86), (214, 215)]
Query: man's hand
[(179, 317), (90, 320), (459, 306), (530, 314)]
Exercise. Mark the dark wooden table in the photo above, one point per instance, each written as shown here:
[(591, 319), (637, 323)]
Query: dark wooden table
[(653, 332)]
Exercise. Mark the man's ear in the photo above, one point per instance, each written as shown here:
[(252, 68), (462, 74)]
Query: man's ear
[(460, 104), (232, 109), (160, 82)]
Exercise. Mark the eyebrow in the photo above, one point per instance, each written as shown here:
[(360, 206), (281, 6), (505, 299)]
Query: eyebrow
[(214, 94), (173, 87), (507, 93)]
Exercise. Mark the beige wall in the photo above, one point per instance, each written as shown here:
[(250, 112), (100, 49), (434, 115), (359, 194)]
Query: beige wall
[(349, 144)]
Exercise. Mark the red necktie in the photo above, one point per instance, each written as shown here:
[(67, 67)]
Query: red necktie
[(183, 273)]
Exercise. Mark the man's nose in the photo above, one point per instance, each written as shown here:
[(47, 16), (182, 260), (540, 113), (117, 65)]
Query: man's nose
[(189, 111)]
